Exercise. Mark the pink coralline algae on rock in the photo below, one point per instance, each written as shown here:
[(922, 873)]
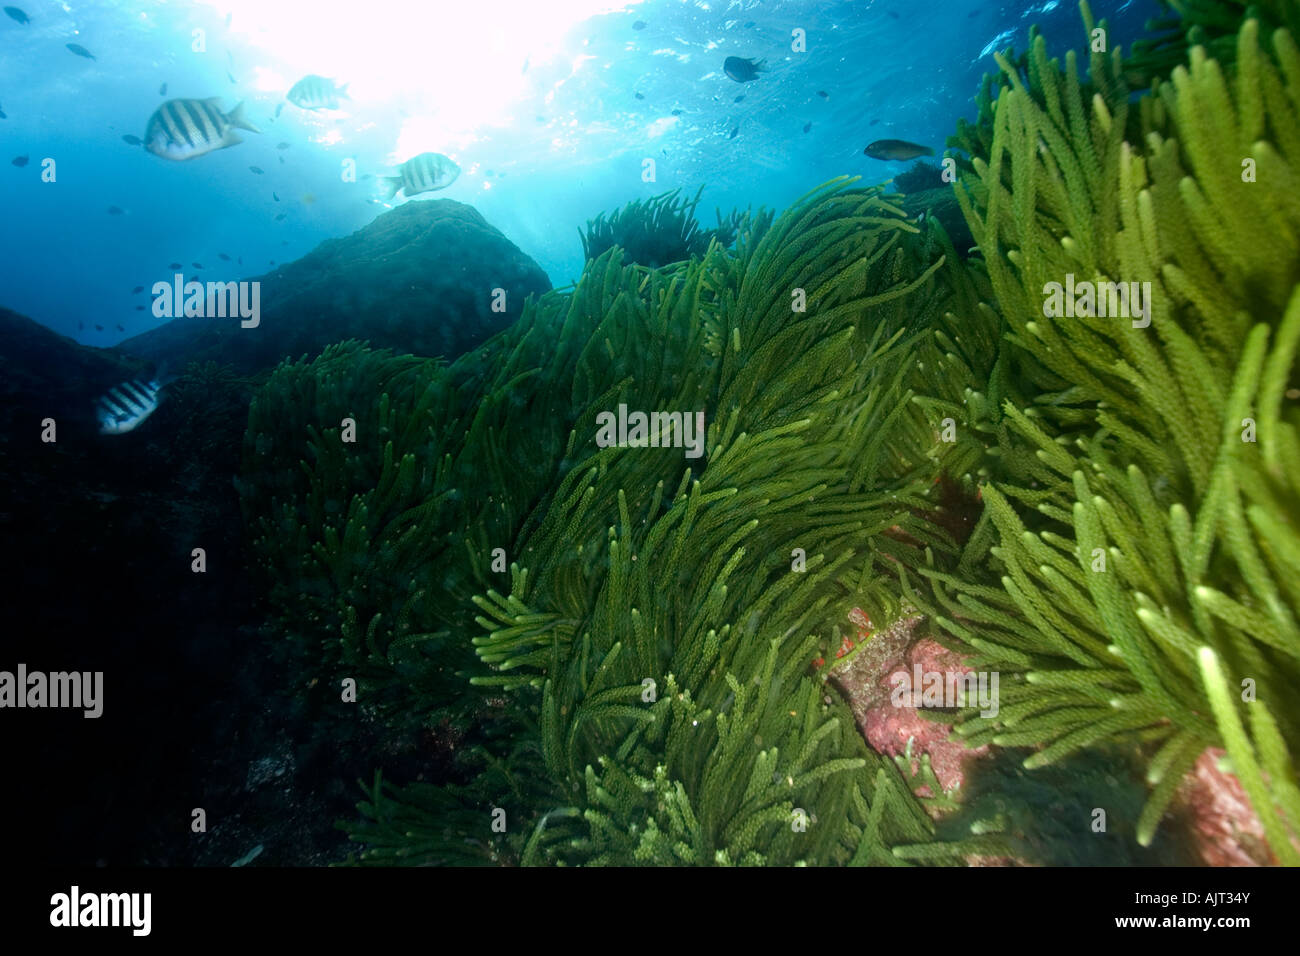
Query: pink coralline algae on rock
[(890, 723), (1226, 830)]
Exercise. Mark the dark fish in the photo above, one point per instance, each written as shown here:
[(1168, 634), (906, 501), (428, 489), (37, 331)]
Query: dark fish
[(639, 25), (80, 50), (241, 260), (132, 140), (119, 328), (20, 160), (80, 326), (187, 129), (162, 90), (823, 94), (139, 308), (973, 14), (256, 169), (893, 15), (734, 132), (640, 96), (279, 106), (229, 76), (873, 122), (748, 23), (125, 406), (896, 149), (173, 265), (114, 210), (18, 15), (99, 328), (197, 265), (742, 70), (739, 98), (223, 257), (282, 145), (281, 216), (275, 196), (281, 158), (272, 262), (807, 127), (2, 115), (137, 290), (678, 112)]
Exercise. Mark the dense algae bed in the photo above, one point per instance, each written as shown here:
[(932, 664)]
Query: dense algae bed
[(1112, 529), (1133, 564)]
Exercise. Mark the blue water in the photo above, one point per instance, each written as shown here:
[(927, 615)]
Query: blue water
[(536, 100)]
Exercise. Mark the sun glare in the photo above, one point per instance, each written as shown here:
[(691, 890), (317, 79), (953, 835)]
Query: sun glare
[(447, 71)]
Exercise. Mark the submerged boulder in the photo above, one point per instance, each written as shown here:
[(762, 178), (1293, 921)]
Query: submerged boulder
[(419, 279)]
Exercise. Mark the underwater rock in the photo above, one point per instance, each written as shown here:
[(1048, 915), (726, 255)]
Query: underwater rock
[(113, 520), (1225, 829), (888, 727), (419, 279)]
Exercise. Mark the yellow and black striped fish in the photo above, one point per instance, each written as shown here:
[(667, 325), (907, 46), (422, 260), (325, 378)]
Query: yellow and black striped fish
[(187, 129), (424, 173)]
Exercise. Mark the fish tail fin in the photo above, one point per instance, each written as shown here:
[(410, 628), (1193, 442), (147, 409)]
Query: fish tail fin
[(929, 151), (236, 118), (343, 91), (391, 185), (164, 376)]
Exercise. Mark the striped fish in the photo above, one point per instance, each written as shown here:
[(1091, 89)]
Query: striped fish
[(424, 173), (187, 129), (314, 92), (125, 406)]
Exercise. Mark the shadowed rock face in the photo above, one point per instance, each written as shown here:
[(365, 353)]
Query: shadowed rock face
[(100, 532), (418, 279)]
